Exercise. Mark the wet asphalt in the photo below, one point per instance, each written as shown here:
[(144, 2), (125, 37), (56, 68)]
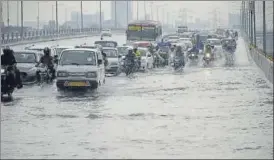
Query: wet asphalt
[(201, 112)]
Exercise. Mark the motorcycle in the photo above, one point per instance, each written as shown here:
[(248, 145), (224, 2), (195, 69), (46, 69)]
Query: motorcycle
[(193, 57), (45, 74), (207, 58), (7, 81), (178, 63), (130, 68)]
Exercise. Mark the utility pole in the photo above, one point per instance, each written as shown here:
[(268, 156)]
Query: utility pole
[(157, 13), (264, 29), (127, 12), (145, 11), (115, 14), (22, 21), (100, 15), (52, 12), (17, 14), (8, 13), (82, 24), (38, 15), (137, 10), (151, 13), (56, 15), (254, 23)]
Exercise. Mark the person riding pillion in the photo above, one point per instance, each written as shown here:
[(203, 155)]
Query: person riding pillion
[(46, 60)]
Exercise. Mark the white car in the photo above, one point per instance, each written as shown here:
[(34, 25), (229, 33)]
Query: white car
[(106, 32), (80, 68), (57, 50), (146, 58), (113, 60), (26, 63)]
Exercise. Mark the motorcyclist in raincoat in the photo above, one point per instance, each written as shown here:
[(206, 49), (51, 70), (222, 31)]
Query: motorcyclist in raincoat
[(138, 55)]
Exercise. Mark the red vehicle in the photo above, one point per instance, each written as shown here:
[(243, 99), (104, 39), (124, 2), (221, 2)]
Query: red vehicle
[(145, 44)]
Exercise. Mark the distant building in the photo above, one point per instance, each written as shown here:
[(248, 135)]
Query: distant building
[(121, 12), (233, 20)]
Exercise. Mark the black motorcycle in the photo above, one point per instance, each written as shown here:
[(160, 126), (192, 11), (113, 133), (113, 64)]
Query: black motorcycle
[(178, 63), (7, 81), (45, 74), (129, 67)]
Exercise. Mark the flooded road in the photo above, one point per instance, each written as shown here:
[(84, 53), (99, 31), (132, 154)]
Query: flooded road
[(216, 112)]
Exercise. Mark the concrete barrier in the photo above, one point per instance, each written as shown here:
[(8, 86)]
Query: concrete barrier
[(263, 62), (37, 37)]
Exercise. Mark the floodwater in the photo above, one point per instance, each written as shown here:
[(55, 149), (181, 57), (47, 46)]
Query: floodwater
[(212, 112)]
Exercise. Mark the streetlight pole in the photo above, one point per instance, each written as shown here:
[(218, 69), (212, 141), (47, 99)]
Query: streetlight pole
[(17, 12), (57, 27), (100, 8), (137, 10), (82, 24), (8, 13), (145, 11), (151, 13), (127, 12), (22, 20), (115, 13), (38, 16)]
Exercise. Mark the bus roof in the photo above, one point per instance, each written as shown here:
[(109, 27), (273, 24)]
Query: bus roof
[(149, 22)]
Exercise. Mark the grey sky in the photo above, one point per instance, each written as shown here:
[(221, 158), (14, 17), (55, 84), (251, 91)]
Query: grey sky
[(197, 9)]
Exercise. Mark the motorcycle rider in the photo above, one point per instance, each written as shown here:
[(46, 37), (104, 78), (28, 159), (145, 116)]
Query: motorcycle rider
[(130, 56), (8, 59), (208, 49), (46, 60), (138, 55), (193, 49), (180, 54)]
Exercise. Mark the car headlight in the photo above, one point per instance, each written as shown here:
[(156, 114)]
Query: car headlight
[(193, 55), (2, 71), (62, 74), (91, 75)]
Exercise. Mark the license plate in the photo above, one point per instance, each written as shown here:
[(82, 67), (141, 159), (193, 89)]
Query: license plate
[(77, 84)]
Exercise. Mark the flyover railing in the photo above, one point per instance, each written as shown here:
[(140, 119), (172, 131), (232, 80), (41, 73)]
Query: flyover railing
[(39, 35)]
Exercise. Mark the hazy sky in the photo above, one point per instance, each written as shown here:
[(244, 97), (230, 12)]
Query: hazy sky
[(196, 9)]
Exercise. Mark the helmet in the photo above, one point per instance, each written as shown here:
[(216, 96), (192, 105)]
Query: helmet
[(46, 51), (7, 51), (130, 51)]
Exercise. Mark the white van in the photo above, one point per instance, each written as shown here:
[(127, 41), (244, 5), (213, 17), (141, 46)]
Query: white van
[(81, 68)]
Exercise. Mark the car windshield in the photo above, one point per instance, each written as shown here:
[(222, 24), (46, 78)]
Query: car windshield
[(78, 57), (112, 53), (59, 50), (106, 43), (214, 42), (122, 50), (142, 52), (24, 57)]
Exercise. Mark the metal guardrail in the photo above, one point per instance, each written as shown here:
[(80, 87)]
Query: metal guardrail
[(15, 37)]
